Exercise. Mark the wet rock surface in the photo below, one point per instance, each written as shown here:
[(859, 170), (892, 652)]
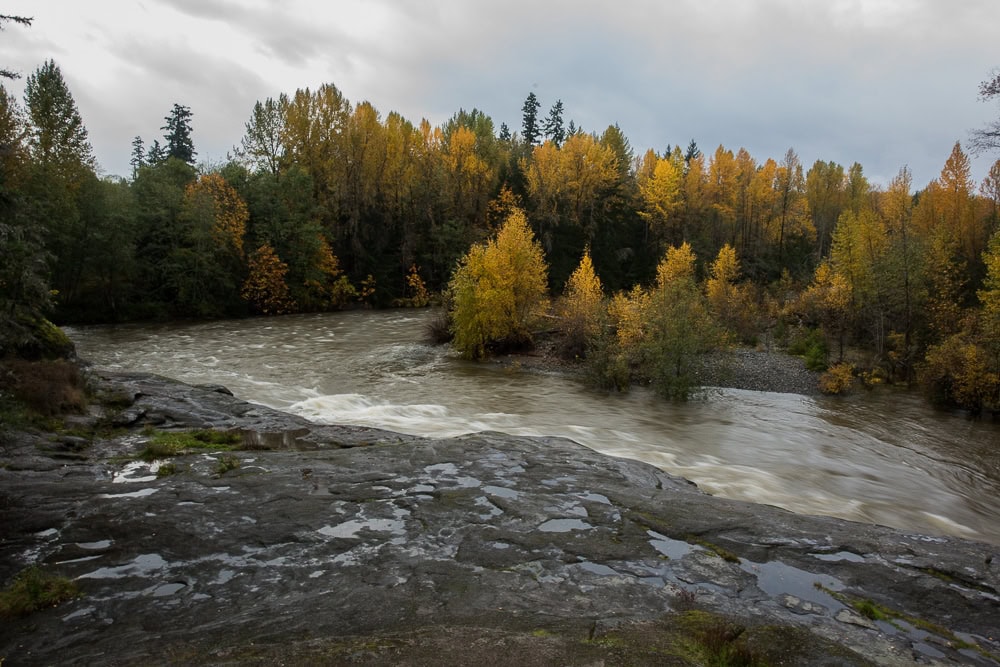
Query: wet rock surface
[(341, 545)]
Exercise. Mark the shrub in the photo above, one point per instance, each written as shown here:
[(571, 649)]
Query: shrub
[(33, 589), (811, 345), (837, 380), (47, 388), (956, 373), (227, 463)]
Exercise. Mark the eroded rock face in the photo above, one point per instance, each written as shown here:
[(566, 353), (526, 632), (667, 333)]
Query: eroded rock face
[(444, 551)]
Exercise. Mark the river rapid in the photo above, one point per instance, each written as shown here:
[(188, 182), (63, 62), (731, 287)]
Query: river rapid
[(883, 457)]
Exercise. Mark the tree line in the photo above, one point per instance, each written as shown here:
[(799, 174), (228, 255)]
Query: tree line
[(325, 204)]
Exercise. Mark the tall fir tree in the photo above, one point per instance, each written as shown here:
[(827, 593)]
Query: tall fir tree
[(138, 159), (155, 155), (530, 131), (177, 134), (554, 129)]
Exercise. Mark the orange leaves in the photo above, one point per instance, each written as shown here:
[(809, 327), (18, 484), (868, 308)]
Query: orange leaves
[(212, 195), (265, 288)]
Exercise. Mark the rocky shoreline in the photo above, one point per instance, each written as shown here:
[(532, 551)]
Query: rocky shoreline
[(342, 545)]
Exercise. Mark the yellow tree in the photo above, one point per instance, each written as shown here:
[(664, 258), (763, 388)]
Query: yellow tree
[(677, 327), (228, 211), (958, 209), (722, 195), (989, 297), (498, 291), (581, 308), (660, 190), (326, 286), (729, 302), (471, 178), (265, 288), (828, 299), (676, 265)]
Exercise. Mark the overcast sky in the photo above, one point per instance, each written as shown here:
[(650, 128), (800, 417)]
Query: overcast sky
[(886, 83)]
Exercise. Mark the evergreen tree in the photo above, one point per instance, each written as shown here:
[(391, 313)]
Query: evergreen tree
[(504, 132), (530, 131), (24, 287), (178, 134), (58, 139), (155, 155), (554, 129), (138, 159), (692, 152)]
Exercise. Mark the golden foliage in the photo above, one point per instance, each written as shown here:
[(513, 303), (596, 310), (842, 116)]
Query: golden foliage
[(676, 265), (328, 287), (732, 304), (498, 290), (837, 380), (660, 189), (227, 209), (581, 308), (265, 288), (957, 372), (416, 291)]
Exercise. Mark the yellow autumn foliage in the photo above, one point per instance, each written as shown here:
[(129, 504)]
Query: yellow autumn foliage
[(499, 290), (581, 308)]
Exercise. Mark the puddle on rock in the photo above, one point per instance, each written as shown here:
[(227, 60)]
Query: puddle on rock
[(596, 498), (168, 589), (142, 565), (671, 548), (100, 544), (350, 529), (597, 568), (128, 472), (563, 525), (141, 493), (839, 556), (776, 579)]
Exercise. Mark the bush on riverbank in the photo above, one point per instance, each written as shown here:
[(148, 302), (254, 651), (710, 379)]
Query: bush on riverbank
[(46, 388)]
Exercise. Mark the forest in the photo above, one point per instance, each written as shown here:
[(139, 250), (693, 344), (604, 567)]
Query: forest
[(326, 204)]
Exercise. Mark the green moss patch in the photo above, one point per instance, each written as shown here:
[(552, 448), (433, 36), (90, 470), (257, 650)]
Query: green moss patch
[(33, 589), (165, 444)]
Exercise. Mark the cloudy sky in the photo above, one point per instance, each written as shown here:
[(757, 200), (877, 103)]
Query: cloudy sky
[(886, 83)]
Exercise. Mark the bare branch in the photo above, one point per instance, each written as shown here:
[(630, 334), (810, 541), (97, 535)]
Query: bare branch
[(23, 20)]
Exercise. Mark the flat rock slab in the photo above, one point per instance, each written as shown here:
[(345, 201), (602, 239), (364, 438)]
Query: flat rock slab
[(486, 548)]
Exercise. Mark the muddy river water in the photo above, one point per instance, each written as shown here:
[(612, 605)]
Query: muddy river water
[(882, 457)]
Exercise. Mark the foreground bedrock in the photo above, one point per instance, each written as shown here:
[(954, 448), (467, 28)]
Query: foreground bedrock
[(344, 545)]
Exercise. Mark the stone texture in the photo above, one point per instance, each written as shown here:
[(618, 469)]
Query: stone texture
[(340, 544)]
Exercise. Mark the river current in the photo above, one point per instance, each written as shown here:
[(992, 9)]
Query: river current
[(883, 457)]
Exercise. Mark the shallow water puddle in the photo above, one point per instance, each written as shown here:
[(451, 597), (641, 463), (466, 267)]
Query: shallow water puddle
[(564, 525), (671, 548), (776, 578)]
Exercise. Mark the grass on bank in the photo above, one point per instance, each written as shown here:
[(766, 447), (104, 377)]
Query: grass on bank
[(165, 444), (34, 589)]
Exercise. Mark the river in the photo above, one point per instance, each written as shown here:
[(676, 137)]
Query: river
[(882, 457)]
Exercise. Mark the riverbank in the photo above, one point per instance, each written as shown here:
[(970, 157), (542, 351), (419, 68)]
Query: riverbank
[(747, 368), (337, 545)]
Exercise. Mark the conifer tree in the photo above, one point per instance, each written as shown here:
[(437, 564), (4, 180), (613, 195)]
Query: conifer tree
[(554, 129), (138, 159), (530, 131), (178, 134)]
